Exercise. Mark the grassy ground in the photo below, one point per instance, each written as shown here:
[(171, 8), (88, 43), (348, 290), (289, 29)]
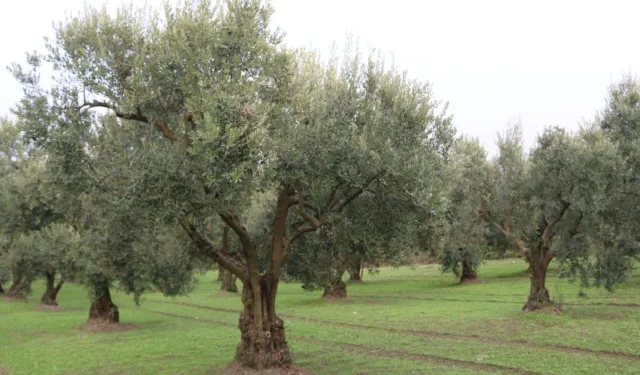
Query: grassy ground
[(402, 321)]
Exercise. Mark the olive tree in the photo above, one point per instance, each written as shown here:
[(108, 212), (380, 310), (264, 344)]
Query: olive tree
[(206, 109), (87, 157), (465, 227), (26, 208), (562, 202), (46, 252)]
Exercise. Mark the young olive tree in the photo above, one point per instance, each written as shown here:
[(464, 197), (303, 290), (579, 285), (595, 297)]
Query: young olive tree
[(206, 110), (465, 227), (562, 202)]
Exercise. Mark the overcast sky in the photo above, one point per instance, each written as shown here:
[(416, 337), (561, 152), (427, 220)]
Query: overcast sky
[(545, 62)]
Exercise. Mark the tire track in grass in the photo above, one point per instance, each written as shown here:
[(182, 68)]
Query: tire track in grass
[(395, 354), (443, 335), (616, 304), (367, 350)]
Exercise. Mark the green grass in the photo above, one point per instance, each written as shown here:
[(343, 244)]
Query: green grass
[(401, 321)]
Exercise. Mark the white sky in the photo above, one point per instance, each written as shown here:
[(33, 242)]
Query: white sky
[(543, 62)]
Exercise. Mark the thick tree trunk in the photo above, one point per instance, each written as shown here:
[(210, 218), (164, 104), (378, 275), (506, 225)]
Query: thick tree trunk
[(263, 343), (103, 310), (1, 289), (336, 289), (468, 273), (51, 293), (228, 281), (538, 294)]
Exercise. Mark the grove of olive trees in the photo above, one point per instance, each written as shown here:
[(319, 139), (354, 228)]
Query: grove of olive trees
[(176, 141)]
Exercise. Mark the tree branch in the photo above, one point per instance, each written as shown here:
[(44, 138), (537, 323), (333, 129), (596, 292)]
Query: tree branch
[(59, 286), (138, 116), (356, 193), (546, 234), (204, 244)]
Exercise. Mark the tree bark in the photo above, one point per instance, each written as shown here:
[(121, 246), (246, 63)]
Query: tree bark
[(103, 310), (227, 281), (336, 289), (1, 289), (263, 343), (538, 295), (468, 273), (51, 293)]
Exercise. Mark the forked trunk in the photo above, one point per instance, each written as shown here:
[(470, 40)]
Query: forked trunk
[(228, 281), (51, 293), (336, 289), (468, 273), (263, 343), (538, 294), (103, 310)]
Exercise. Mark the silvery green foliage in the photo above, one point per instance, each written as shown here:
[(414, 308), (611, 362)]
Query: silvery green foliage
[(370, 127), (208, 113), (26, 208), (572, 184), (52, 249), (466, 229)]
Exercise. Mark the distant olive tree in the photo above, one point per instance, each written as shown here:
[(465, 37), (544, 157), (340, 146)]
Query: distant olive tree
[(470, 175), (564, 201)]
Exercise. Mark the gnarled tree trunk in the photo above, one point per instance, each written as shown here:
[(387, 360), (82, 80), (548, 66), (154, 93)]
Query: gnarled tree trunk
[(336, 289), (103, 310), (539, 260), (227, 281), (263, 343), (468, 273), (51, 293)]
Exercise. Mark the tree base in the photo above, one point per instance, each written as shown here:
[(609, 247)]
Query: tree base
[(262, 350), (17, 295), (48, 301), (468, 277), (237, 369), (228, 282), (355, 278), (548, 307), (336, 291), (103, 310), (538, 300)]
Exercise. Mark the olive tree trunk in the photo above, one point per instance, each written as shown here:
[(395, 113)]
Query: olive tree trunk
[(337, 289), (227, 281), (51, 292), (103, 310), (263, 342), (539, 260), (468, 273), (18, 289)]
